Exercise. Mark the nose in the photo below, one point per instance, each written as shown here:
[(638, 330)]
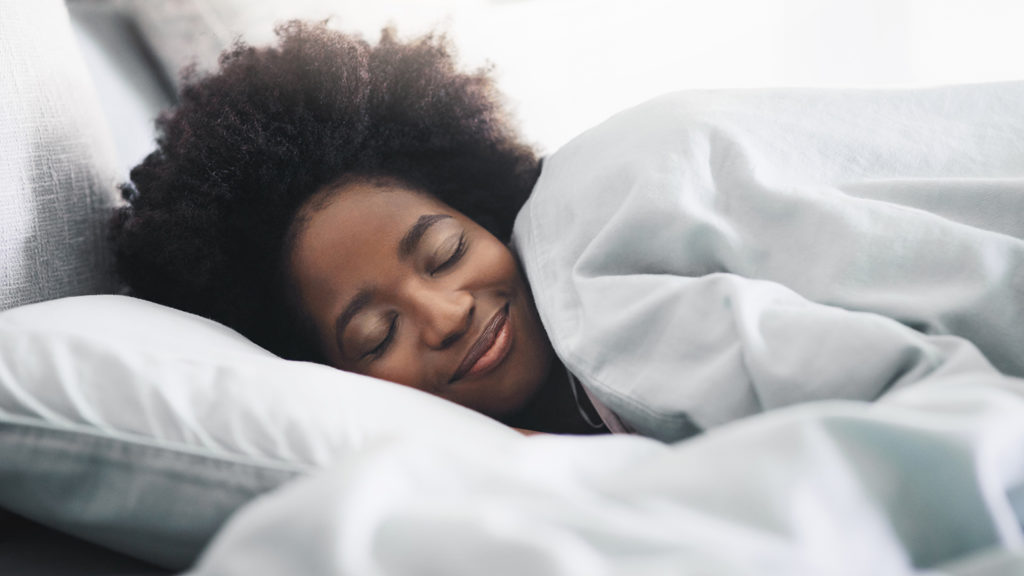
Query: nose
[(444, 315)]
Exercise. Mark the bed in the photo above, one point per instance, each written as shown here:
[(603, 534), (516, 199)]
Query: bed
[(136, 439)]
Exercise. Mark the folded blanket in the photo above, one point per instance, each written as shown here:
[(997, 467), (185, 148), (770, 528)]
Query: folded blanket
[(709, 255)]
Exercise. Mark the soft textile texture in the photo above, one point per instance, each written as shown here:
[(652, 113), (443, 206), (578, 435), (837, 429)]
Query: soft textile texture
[(710, 255), (142, 428), (57, 170), (195, 32), (930, 480)]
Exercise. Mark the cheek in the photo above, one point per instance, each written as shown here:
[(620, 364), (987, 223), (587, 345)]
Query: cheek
[(497, 263), (401, 367), (393, 370)]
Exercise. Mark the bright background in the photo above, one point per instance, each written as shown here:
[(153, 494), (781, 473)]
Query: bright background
[(565, 65), (568, 64)]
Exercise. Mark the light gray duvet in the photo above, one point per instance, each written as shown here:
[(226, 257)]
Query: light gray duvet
[(709, 255)]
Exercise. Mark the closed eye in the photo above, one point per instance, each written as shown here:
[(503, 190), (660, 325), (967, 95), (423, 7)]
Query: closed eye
[(456, 255), (382, 347)]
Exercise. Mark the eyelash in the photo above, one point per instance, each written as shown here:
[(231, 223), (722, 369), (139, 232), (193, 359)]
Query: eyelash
[(460, 249)]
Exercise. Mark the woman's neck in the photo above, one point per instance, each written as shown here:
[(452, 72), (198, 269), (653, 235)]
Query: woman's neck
[(553, 408)]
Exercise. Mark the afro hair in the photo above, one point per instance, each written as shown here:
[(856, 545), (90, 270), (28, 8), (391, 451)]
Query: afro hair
[(207, 216)]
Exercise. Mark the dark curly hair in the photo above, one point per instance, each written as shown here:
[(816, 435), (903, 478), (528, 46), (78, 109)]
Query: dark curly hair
[(206, 224)]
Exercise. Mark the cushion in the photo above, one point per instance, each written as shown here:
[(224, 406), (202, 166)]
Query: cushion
[(57, 167), (141, 428), (184, 32)]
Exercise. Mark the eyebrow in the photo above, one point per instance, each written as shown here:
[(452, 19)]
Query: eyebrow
[(355, 305), (412, 238), (408, 244)]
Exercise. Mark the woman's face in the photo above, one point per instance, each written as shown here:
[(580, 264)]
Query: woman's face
[(402, 287)]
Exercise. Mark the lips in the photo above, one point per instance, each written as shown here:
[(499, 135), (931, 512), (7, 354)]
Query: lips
[(490, 348)]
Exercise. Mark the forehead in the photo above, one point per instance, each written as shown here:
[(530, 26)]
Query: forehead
[(354, 232), (360, 208)]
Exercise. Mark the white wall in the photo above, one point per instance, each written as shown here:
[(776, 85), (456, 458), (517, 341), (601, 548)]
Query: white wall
[(568, 64)]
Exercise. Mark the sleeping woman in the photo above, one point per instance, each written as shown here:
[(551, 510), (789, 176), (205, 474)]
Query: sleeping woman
[(685, 264)]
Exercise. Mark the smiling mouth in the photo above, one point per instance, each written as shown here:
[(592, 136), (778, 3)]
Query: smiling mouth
[(490, 348)]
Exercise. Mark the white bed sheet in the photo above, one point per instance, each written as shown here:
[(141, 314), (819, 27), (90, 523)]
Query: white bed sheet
[(928, 481)]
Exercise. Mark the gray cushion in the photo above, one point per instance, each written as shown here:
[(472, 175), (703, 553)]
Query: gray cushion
[(183, 32), (179, 33), (57, 169)]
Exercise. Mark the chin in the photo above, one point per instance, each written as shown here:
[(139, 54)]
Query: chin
[(528, 391)]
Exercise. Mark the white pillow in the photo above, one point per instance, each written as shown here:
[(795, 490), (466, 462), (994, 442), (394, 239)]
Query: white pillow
[(141, 428)]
